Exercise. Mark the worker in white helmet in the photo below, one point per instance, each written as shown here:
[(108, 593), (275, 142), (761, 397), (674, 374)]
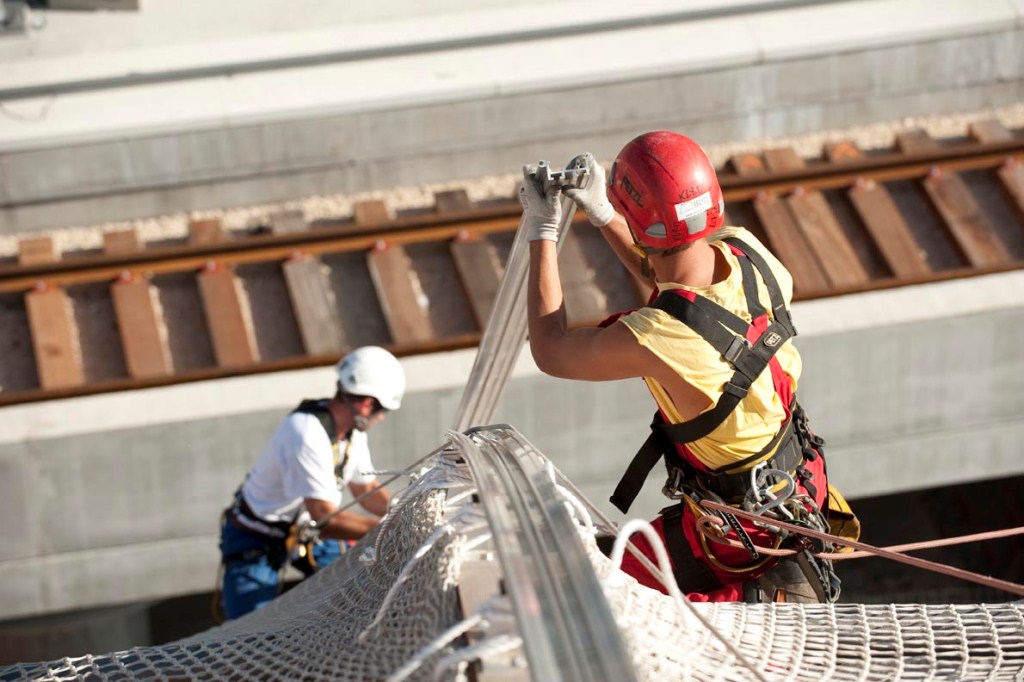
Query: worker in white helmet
[(287, 509)]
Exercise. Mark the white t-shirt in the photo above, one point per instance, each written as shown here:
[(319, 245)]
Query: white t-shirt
[(299, 462)]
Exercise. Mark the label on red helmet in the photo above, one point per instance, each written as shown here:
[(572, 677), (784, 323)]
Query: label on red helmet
[(632, 191), (688, 209)]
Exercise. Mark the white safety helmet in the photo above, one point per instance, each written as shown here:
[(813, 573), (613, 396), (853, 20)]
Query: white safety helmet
[(374, 372)]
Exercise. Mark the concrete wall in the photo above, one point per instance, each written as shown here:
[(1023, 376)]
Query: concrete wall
[(465, 113), (114, 499)]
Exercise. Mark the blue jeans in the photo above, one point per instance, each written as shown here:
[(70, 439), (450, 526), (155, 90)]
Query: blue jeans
[(252, 563)]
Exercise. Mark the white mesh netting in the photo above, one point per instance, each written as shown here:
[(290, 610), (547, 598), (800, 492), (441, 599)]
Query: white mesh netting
[(389, 609)]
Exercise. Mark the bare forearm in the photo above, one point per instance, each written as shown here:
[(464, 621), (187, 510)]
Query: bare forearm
[(337, 525), (347, 526), (545, 304), (376, 502)]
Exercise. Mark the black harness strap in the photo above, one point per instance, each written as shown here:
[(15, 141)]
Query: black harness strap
[(691, 575), (242, 515), (318, 408), (726, 332), (639, 469), (754, 306), (732, 487), (777, 443), (779, 310)]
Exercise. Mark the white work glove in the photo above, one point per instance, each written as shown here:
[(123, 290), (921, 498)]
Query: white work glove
[(307, 532), (593, 199), (542, 210)]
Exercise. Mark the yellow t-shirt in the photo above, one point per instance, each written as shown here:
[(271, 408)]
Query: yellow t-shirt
[(758, 417)]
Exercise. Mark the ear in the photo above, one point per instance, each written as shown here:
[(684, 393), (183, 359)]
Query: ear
[(365, 406)]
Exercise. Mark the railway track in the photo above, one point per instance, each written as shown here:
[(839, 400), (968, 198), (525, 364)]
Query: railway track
[(294, 295)]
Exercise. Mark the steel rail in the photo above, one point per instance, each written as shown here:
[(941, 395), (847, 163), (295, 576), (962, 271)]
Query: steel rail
[(425, 226), (327, 237), (328, 234), (882, 168), (245, 252), (568, 630), (440, 345), (894, 282)]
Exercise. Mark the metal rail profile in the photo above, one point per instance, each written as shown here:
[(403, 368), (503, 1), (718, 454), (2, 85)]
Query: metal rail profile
[(568, 631), (505, 333)]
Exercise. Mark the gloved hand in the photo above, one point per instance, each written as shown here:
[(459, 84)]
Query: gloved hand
[(300, 539), (593, 199), (307, 532), (543, 210)]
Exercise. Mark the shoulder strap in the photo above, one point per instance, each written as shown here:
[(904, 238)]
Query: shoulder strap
[(731, 336), (716, 325), (778, 302), (318, 408)]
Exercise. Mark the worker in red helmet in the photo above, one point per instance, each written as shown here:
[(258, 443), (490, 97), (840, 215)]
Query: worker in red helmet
[(714, 347)]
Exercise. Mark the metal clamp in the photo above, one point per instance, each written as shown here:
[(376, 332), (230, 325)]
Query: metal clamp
[(571, 177)]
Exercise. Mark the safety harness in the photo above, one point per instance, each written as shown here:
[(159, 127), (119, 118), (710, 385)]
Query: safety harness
[(279, 537), (278, 532), (750, 348)]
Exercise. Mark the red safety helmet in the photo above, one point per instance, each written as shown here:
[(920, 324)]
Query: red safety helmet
[(665, 186)]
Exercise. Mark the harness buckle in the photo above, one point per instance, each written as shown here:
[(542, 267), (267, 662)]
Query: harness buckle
[(674, 485), (733, 389), (735, 348)]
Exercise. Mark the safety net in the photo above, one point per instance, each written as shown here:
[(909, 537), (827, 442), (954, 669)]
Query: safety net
[(395, 608)]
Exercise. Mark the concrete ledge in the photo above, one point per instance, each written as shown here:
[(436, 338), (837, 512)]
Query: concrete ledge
[(108, 576), (349, 40), (509, 66), (961, 454), (240, 161)]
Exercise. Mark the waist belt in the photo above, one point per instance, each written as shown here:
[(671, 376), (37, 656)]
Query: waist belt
[(732, 487), (727, 483), (244, 518)]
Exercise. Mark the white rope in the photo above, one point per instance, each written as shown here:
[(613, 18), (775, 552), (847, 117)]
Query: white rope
[(437, 478), (618, 578), (576, 508), (457, 498), (471, 544), (430, 539), (397, 473)]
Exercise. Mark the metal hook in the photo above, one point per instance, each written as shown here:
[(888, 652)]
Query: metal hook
[(761, 490)]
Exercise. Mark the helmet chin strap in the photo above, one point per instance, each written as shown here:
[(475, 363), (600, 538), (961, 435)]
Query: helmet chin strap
[(645, 262), (644, 252)]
